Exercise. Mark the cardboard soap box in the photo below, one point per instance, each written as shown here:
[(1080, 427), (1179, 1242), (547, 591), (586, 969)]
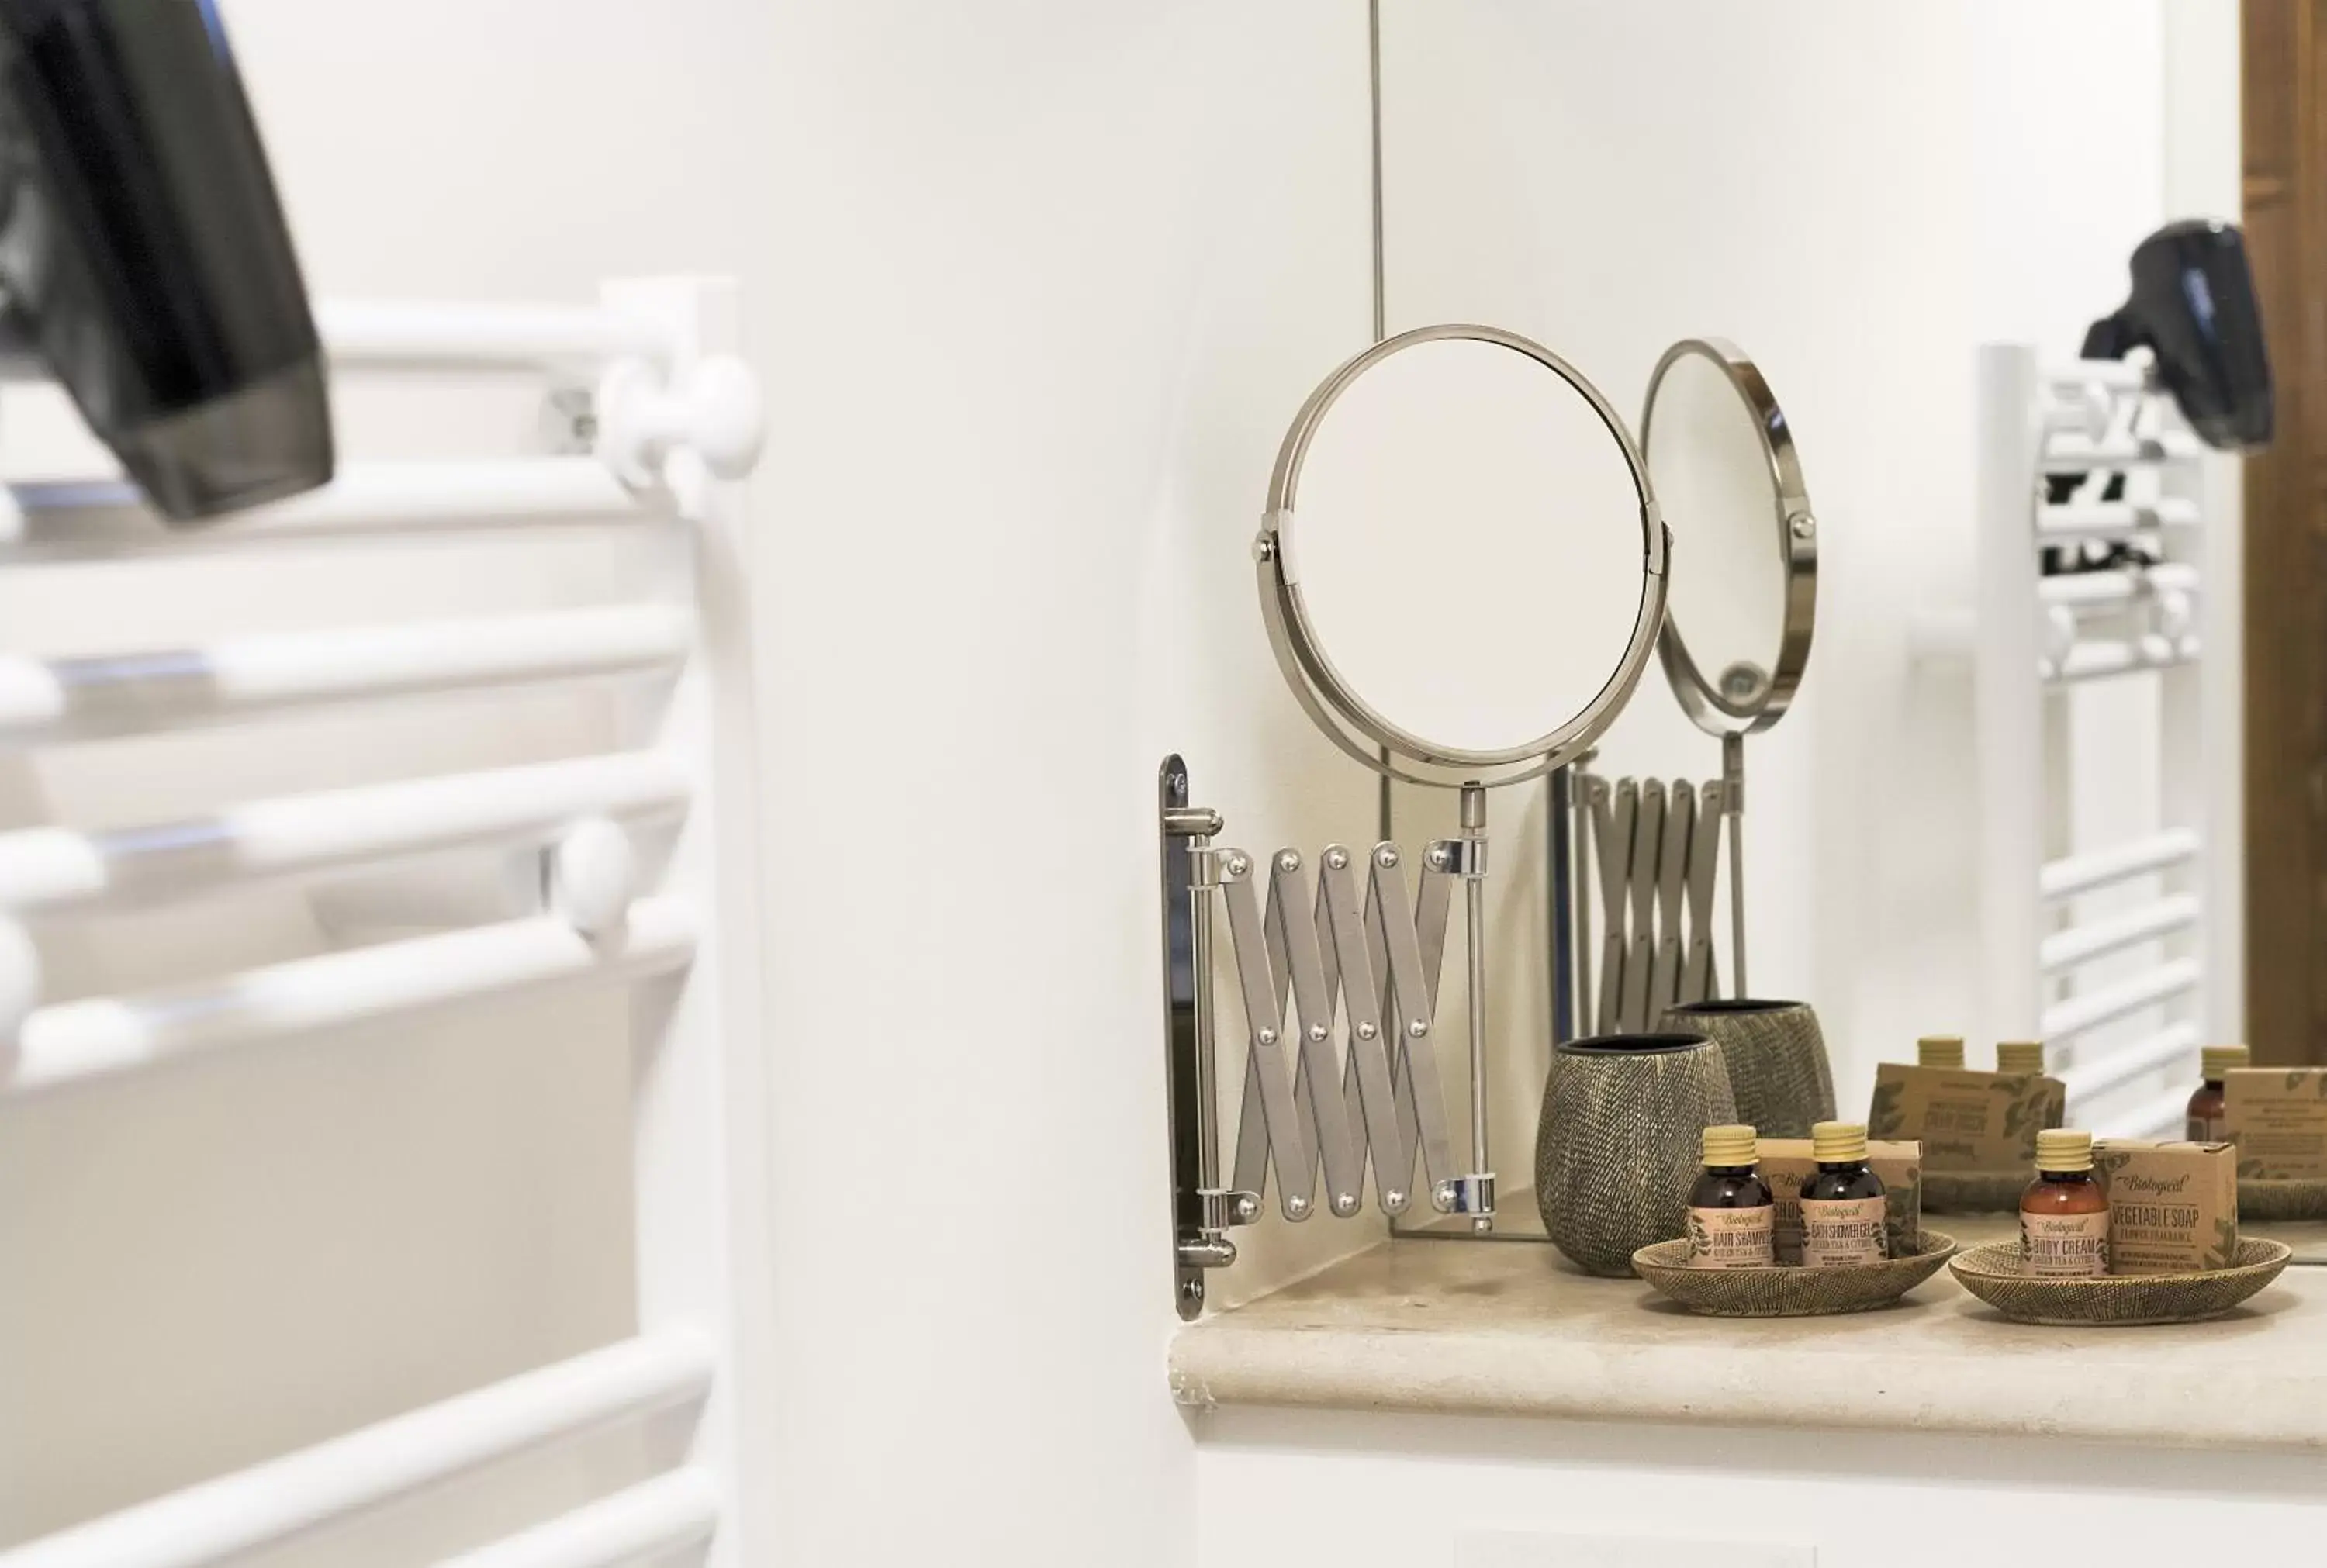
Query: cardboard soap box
[(1965, 1120), (1786, 1165), (2277, 1116), (2173, 1207)]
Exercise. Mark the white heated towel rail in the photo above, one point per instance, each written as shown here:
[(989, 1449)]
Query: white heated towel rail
[(2122, 956), (677, 420)]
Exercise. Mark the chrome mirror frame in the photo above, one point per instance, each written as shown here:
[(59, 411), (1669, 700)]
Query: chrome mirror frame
[(1700, 696), (1356, 726)]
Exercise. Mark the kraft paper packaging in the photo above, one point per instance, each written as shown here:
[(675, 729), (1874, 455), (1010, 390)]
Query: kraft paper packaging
[(1787, 1166), (2277, 1116), (1966, 1120), (2173, 1208)]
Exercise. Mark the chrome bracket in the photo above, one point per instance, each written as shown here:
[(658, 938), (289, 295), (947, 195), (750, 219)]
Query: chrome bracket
[(1462, 857), (1472, 1194), (1200, 1211)]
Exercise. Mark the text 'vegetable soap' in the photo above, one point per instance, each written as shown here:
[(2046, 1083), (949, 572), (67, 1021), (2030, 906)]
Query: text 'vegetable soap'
[(2173, 1208)]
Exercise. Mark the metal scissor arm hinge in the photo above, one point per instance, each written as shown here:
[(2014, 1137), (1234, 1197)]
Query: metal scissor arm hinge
[(1365, 955), (1336, 972), (1656, 848)]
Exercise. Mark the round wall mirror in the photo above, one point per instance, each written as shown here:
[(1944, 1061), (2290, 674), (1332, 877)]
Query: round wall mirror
[(1722, 460), (1463, 565)]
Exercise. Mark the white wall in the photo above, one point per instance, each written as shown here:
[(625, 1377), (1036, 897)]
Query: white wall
[(1032, 289), (1609, 179), (2067, 205), (2064, 211), (1858, 197), (1050, 279)]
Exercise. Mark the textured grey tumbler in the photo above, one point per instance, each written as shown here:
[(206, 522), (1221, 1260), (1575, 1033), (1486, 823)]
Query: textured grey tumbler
[(1617, 1147), (1777, 1060)]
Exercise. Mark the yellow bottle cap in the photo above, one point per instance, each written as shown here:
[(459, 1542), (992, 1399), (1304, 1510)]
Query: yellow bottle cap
[(1940, 1051), (2062, 1149), (1834, 1143), (2020, 1055), (2217, 1059), (1731, 1143)]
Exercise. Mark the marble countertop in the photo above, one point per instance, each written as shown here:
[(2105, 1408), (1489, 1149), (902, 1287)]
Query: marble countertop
[(1506, 1328)]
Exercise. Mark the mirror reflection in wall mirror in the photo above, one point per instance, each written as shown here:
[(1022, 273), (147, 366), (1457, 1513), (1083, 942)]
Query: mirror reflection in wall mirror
[(1722, 458), (1470, 544)]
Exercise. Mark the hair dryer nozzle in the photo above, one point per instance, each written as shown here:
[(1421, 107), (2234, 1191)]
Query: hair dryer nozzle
[(2193, 306), (143, 253)]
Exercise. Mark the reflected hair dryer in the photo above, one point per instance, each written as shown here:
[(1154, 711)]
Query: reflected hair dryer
[(144, 259), (2193, 306)]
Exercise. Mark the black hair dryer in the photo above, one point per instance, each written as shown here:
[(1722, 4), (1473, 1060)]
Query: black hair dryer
[(143, 257), (2193, 306)]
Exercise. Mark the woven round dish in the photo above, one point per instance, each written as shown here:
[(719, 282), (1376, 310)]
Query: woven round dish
[(2260, 1201), (1992, 1272), (1787, 1293), (1974, 1191)]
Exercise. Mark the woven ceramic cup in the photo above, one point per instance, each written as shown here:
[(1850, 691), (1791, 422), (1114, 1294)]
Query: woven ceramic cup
[(1616, 1149), (1777, 1060)]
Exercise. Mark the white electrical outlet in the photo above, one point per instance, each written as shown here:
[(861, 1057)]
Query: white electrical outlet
[(1547, 1549)]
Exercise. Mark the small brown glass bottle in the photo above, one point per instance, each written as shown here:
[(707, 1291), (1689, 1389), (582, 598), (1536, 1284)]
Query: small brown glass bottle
[(2064, 1214), (1843, 1206), (2206, 1125), (2020, 1056), (1940, 1051), (1732, 1219)]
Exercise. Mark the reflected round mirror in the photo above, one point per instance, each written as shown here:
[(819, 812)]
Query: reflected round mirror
[(1463, 563), (1722, 460)]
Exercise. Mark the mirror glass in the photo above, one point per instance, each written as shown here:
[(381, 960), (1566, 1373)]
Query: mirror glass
[(1615, 184), (1467, 544), (1710, 467)]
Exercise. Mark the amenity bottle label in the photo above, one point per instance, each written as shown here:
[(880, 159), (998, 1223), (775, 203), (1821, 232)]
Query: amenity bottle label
[(1732, 1238), (1842, 1232), (2064, 1246)]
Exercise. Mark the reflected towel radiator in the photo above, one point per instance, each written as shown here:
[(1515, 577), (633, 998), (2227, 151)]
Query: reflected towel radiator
[(673, 422), (2123, 956)]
